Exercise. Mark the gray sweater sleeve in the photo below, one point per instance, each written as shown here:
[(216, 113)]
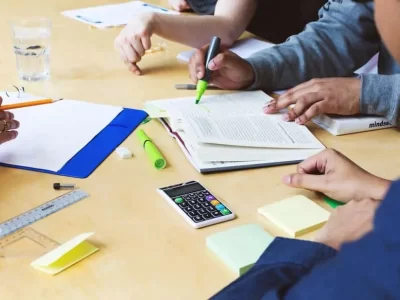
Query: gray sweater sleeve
[(342, 40)]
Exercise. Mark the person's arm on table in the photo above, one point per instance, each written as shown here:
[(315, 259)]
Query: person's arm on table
[(289, 269), (229, 22)]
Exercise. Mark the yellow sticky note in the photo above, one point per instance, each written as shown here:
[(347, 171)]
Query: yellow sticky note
[(65, 255), (296, 215)]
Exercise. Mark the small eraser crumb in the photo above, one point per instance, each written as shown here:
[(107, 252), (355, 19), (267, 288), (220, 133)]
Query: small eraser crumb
[(123, 152), (296, 215)]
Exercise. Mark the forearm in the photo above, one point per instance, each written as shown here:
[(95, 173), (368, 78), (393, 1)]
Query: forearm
[(195, 31), (342, 40)]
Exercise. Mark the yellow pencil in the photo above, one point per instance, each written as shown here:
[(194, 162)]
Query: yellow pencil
[(29, 103)]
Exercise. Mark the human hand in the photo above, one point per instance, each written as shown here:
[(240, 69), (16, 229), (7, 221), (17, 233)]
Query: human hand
[(333, 174), (230, 71), (134, 40), (348, 223), (340, 96), (179, 5), (7, 126)]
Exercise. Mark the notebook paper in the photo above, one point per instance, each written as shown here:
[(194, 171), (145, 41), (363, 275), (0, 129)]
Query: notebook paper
[(114, 14), (244, 48), (296, 215), (50, 135)]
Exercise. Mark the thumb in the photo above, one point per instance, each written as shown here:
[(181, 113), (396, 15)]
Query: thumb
[(222, 60), (306, 181)]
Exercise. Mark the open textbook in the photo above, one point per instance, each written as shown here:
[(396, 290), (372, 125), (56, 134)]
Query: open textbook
[(230, 131)]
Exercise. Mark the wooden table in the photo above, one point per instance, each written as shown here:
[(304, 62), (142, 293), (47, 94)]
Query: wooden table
[(146, 251)]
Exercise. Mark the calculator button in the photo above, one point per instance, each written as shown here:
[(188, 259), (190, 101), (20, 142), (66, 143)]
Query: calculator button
[(188, 208), (214, 202), (198, 218), (183, 204), (179, 200), (211, 208), (202, 211), (210, 197), (207, 216), (206, 204), (197, 206), (225, 211), (201, 199), (193, 213), (215, 213), (220, 207), (192, 202)]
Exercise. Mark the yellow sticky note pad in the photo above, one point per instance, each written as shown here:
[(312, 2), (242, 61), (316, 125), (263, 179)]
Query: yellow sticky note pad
[(65, 255), (296, 215)]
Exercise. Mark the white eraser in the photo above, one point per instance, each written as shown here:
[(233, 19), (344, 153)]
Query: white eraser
[(123, 152)]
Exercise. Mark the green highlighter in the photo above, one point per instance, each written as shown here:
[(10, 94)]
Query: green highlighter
[(332, 203), (151, 150), (213, 51)]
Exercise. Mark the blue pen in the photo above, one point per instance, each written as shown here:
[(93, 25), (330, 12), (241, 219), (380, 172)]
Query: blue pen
[(156, 7)]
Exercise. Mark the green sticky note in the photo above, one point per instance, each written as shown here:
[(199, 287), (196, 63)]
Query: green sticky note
[(151, 150), (332, 203), (240, 247)]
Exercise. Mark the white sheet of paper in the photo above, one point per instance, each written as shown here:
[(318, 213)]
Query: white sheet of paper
[(113, 14), (244, 48), (51, 134)]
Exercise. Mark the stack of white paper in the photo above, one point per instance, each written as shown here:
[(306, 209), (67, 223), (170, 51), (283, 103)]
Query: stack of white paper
[(114, 14)]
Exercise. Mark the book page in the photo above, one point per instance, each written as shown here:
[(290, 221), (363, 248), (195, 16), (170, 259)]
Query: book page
[(232, 104), (251, 131)]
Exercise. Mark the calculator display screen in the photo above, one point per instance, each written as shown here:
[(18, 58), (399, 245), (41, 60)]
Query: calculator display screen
[(184, 189)]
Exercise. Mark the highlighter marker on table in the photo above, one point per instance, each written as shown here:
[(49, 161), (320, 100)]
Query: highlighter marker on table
[(151, 150), (213, 51)]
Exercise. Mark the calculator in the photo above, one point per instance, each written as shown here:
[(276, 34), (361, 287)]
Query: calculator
[(198, 206)]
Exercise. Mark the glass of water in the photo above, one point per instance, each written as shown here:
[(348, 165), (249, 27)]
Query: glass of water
[(31, 38)]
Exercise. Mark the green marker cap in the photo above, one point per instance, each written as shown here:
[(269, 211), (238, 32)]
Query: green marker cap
[(332, 203), (151, 150)]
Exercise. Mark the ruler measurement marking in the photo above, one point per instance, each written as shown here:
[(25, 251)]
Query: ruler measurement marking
[(40, 212)]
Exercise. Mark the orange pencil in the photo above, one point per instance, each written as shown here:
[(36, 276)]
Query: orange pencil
[(29, 103)]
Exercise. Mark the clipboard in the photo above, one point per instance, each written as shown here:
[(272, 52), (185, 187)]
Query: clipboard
[(99, 148)]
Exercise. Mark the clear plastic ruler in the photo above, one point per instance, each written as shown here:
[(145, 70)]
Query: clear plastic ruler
[(40, 212), (16, 229)]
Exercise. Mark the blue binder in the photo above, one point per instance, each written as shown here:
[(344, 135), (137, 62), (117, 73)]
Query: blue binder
[(97, 150)]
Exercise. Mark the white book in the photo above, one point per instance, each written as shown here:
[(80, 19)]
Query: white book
[(212, 157), (339, 125), (244, 48), (113, 14)]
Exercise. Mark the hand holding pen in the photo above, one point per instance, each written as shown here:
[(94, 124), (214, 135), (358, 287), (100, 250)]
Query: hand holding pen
[(229, 71)]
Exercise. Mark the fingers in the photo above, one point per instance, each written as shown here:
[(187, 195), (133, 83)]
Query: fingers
[(146, 42), (8, 136), (310, 182), (302, 104), (317, 163), (196, 64)]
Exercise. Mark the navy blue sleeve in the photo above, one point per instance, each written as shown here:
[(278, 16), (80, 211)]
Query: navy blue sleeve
[(366, 269), (281, 265)]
